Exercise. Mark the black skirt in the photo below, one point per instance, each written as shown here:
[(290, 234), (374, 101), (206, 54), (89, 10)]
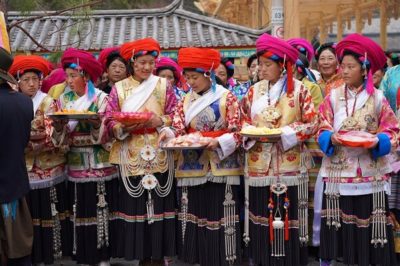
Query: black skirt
[(204, 240), (351, 243), (39, 202), (86, 226), (260, 245), (136, 238)]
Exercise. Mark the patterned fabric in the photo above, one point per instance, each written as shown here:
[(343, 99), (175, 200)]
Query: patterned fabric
[(297, 113), (88, 160), (240, 89), (45, 164), (334, 82)]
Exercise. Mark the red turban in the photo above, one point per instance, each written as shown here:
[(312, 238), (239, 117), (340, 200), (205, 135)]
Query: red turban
[(364, 47), (29, 62), (104, 55), (139, 47), (303, 46), (203, 58), (86, 61)]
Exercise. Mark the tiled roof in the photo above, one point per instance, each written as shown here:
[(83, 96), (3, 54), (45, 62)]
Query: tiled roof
[(172, 26)]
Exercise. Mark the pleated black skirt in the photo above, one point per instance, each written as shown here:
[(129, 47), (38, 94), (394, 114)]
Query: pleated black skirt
[(136, 238), (86, 227), (351, 243), (39, 202), (204, 239), (260, 245)]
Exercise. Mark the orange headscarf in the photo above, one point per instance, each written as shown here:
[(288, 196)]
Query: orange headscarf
[(199, 58), (144, 46), (29, 62)]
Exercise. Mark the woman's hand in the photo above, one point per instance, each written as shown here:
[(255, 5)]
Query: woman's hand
[(213, 144), (154, 121)]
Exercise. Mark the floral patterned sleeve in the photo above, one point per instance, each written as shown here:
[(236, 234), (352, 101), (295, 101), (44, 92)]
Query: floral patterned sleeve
[(178, 118), (233, 117), (46, 143), (169, 107), (307, 126), (112, 106), (388, 123), (245, 108), (325, 118)]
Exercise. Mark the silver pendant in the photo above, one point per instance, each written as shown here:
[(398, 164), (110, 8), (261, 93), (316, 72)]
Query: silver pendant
[(149, 182), (148, 153)]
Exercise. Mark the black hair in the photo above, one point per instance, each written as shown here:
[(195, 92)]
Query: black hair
[(251, 59), (326, 46), (357, 57), (394, 58), (37, 72), (229, 71), (115, 55), (158, 70)]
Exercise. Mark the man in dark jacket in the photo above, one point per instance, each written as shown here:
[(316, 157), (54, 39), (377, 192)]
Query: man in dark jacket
[(16, 114)]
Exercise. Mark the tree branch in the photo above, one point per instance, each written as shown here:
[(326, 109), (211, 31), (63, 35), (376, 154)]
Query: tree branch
[(32, 38), (55, 13)]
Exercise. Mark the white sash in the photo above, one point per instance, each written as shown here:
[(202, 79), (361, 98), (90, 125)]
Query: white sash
[(37, 100), (340, 114), (203, 102), (82, 104), (275, 93), (140, 95)]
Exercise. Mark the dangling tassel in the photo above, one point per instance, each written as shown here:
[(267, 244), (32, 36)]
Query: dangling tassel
[(184, 211), (246, 236), (10, 209), (290, 82), (286, 206), (230, 225), (74, 210), (213, 81), (369, 83), (302, 191), (90, 90), (57, 225), (379, 236), (278, 245), (150, 208), (271, 218), (102, 216)]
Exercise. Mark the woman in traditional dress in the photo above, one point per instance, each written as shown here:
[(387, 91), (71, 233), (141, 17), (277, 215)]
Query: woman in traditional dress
[(146, 211), (209, 232), (92, 182), (47, 199), (169, 69), (225, 73), (276, 173), (328, 67), (114, 67), (355, 225)]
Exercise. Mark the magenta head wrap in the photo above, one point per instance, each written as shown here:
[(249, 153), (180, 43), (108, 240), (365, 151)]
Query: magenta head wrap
[(167, 63), (303, 46), (276, 46), (57, 76), (370, 54), (104, 54), (86, 61)]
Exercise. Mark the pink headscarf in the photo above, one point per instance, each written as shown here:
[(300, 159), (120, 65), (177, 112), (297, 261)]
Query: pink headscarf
[(369, 51), (300, 43), (272, 47), (57, 76), (276, 46), (104, 54), (86, 61), (166, 62)]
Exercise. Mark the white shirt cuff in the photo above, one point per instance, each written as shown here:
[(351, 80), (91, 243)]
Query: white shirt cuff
[(289, 138), (227, 144)]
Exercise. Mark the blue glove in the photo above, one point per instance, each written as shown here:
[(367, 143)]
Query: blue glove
[(383, 147), (325, 143)]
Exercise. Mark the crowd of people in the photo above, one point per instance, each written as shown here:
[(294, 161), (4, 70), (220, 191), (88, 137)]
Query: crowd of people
[(94, 189)]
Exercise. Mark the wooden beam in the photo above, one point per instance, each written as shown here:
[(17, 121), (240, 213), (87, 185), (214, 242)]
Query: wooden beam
[(383, 24), (291, 19), (339, 27), (359, 23)]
